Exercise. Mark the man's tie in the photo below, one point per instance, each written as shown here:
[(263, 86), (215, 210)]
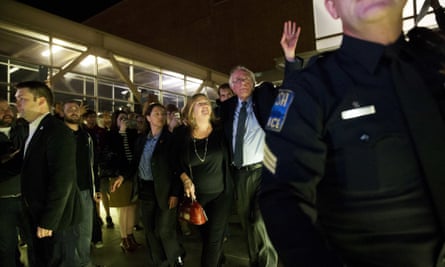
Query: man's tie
[(425, 123), (239, 139)]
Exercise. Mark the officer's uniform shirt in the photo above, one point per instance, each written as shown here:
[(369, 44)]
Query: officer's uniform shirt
[(338, 144)]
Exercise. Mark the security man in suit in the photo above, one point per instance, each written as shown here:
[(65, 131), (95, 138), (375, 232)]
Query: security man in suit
[(354, 169), (48, 178)]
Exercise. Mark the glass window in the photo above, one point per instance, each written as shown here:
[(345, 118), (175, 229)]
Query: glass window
[(63, 97), (211, 93), (23, 73), (173, 84), (105, 105), (169, 99), (89, 102), (29, 55), (104, 89), (3, 91), (106, 69), (3, 79), (149, 95), (173, 99), (59, 56), (23, 48), (121, 93), (122, 105), (192, 86), (146, 78), (87, 66), (74, 83)]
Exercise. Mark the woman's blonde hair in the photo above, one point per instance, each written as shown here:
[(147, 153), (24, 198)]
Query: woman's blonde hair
[(191, 105)]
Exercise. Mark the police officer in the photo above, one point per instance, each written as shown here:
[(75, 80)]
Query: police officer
[(353, 172)]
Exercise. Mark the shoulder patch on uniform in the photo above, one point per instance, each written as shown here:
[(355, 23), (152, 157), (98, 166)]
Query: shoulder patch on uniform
[(270, 160), (279, 110)]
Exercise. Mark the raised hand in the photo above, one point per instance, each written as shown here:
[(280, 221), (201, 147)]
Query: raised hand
[(289, 39)]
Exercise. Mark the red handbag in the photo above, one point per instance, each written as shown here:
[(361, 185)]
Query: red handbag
[(192, 212)]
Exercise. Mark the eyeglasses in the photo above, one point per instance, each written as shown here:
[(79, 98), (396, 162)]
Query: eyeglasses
[(241, 80)]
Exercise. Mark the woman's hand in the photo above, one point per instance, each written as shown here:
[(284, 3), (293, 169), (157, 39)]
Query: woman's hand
[(189, 189), (172, 202), (117, 183)]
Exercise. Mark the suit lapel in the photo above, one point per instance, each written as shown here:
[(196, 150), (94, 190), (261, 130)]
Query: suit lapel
[(36, 136), (230, 118)]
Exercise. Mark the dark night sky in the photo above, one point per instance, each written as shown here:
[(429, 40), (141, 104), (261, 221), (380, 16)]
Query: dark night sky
[(77, 11)]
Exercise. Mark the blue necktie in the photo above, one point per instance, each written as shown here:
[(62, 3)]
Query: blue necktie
[(239, 139)]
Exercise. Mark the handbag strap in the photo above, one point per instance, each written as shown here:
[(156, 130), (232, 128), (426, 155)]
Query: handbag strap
[(191, 173)]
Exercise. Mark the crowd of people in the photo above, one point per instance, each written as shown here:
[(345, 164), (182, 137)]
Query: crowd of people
[(341, 165)]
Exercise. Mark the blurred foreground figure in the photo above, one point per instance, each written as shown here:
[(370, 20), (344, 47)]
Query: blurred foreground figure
[(354, 172)]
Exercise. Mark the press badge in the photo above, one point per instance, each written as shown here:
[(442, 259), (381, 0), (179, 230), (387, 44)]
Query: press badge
[(357, 112), (279, 110)]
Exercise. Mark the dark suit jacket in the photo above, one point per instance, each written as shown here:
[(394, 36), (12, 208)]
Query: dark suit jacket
[(11, 168), (263, 98), (112, 160), (165, 183), (49, 185)]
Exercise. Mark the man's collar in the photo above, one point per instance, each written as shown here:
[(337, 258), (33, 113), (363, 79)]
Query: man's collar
[(367, 53)]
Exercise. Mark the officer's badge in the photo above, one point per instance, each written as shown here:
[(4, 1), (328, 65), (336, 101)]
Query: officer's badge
[(279, 110)]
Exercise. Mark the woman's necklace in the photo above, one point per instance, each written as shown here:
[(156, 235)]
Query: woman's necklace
[(205, 150)]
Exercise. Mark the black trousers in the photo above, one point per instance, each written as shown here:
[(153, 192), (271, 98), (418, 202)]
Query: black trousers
[(13, 222), (218, 207), (58, 250), (260, 248), (97, 227), (159, 227)]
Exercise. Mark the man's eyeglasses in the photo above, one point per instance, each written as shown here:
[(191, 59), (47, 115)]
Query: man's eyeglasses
[(240, 80)]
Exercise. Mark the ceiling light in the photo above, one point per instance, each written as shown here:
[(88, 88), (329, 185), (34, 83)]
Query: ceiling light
[(54, 49)]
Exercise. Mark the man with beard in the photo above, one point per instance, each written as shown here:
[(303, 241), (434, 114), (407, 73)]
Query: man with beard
[(85, 178), (12, 137)]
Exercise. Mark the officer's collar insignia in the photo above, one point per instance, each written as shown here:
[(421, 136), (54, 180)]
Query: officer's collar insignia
[(279, 110)]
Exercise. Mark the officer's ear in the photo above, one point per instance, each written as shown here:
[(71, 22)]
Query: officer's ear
[(330, 6)]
